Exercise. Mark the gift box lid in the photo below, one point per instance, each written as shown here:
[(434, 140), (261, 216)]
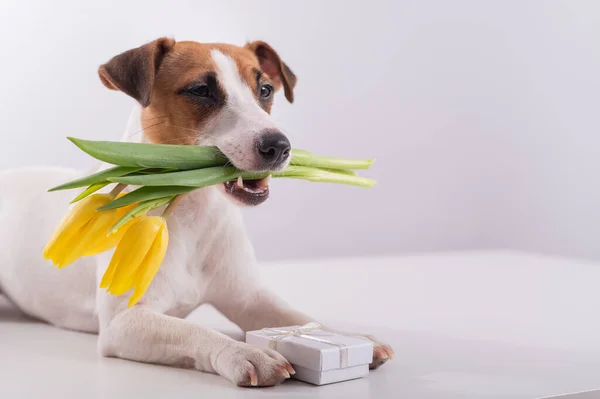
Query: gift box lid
[(311, 347)]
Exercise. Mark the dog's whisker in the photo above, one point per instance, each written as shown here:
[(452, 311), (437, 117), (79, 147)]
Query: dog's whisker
[(156, 116), (228, 163), (200, 134), (180, 139), (145, 128), (187, 128), (204, 134), (153, 118)]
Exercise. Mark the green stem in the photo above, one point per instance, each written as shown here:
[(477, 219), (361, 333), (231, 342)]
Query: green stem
[(306, 158), (139, 210), (172, 206), (314, 175), (89, 191), (117, 190), (145, 194), (216, 175)]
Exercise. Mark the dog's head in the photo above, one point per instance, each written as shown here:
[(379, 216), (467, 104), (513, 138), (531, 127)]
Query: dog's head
[(210, 94)]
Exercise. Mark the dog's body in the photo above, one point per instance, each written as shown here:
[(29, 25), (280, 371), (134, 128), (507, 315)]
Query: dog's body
[(210, 259)]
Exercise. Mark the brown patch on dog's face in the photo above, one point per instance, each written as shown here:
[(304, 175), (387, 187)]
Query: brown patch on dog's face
[(166, 77), (178, 110), (176, 115)]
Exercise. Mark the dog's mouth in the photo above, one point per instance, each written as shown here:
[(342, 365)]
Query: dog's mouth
[(248, 192)]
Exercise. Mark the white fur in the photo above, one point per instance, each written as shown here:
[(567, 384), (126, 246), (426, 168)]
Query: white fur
[(209, 260), (241, 121)]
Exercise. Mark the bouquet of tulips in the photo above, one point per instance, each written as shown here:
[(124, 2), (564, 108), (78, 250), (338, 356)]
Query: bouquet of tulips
[(161, 174)]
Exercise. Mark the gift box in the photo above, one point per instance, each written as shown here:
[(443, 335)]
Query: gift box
[(319, 357)]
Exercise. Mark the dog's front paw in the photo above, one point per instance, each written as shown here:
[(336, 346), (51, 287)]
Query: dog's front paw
[(248, 366), (381, 353)]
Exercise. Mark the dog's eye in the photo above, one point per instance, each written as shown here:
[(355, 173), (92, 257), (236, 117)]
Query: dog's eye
[(199, 91), (266, 91)]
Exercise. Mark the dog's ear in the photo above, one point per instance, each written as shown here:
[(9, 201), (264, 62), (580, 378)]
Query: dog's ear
[(271, 64), (133, 72)]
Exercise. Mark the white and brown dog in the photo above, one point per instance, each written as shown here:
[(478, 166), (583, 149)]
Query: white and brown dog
[(189, 93)]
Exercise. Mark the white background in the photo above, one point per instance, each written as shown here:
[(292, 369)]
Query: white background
[(484, 115)]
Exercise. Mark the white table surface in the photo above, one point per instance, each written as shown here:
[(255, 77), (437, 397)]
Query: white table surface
[(464, 325)]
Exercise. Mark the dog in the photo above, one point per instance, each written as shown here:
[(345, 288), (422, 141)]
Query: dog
[(193, 94)]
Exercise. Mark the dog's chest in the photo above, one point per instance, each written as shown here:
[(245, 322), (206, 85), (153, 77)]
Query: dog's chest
[(197, 232)]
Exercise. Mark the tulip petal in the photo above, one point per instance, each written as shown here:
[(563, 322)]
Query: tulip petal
[(62, 237), (136, 242), (150, 265), (62, 256), (90, 235), (115, 261), (110, 241), (60, 248), (107, 278), (112, 280)]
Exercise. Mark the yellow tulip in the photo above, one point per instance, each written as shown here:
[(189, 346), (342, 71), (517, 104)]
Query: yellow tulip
[(80, 229), (107, 242), (84, 230), (137, 258)]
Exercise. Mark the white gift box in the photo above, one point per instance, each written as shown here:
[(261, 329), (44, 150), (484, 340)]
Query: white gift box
[(319, 357)]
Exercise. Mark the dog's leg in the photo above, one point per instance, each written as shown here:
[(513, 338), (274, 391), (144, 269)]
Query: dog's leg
[(259, 308), (142, 334)]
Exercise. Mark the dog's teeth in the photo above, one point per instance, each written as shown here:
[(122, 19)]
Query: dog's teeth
[(240, 182), (264, 182)]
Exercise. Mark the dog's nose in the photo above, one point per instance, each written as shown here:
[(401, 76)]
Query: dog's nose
[(273, 148)]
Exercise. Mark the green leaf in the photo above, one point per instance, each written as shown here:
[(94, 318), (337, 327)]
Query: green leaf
[(323, 176), (193, 178), (96, 178), (305, 158), (142, 155), (88, 191), (145, 194), (211, 176), (343, 171), (141, 209)]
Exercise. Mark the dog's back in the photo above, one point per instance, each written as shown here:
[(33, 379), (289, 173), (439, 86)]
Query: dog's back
[(28, 215)]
